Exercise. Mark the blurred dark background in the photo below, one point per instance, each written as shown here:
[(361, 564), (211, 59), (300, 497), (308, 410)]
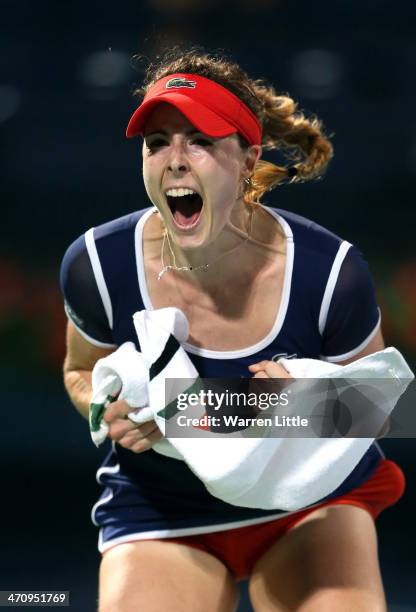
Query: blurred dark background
[(65, 98)]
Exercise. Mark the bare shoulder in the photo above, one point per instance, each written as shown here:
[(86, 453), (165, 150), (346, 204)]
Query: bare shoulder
[(267, 233)]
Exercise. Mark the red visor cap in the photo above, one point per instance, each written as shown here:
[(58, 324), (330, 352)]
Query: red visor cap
[(211, 108)]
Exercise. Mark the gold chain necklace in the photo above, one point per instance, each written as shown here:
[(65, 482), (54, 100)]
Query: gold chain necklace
[(166, 268)]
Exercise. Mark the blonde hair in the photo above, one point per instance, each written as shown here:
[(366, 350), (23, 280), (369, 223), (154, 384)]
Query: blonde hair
[(305, 148)]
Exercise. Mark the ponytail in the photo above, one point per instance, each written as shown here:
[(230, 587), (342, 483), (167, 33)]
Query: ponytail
[(302, 141), (307, 150)]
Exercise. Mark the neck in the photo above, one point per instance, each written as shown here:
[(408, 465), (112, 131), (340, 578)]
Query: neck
[(202, 263)]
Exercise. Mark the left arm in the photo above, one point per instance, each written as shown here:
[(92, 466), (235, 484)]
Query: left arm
[(375, 344), (347, 319), (271, 369)]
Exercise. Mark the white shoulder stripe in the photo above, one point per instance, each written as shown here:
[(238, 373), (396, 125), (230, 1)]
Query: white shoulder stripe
[(99, 276), (88, 338), (357, 349), (330, 285)]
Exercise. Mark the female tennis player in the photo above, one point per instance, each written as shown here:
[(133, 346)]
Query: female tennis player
[(255, 282)]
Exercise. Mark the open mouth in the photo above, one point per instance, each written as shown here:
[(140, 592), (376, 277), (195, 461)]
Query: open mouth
[(186, 209)]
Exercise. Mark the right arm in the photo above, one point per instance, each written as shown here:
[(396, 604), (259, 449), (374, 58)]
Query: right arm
[(88, 320), (81, 356)]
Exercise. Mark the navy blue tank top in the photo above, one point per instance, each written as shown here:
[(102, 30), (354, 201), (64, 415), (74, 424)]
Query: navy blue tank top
[(327, 311)]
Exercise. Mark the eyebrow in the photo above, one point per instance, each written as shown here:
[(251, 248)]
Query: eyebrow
[(165, 133)]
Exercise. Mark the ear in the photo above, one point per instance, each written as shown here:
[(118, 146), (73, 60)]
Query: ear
[(252, 155)]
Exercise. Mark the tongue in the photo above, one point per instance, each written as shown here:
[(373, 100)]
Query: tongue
[(185, 220), (187, 210)]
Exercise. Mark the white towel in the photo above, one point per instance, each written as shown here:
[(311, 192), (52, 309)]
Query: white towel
[(125, 374), (160, 333), (257, 472), (122, 375), (291, 473)]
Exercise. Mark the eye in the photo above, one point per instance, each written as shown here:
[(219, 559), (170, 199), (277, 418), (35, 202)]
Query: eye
[(202, 142), (156, 143)]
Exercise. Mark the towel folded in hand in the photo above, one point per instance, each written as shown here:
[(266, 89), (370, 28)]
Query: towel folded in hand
[(122, 375), (139, 378), (257, 472)]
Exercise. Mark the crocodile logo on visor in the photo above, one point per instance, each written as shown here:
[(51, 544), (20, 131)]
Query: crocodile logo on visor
[(179, 82)]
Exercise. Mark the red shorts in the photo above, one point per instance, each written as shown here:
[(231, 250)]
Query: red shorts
[(240, 548)]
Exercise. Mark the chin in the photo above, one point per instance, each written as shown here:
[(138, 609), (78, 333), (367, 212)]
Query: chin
[(188, 241)]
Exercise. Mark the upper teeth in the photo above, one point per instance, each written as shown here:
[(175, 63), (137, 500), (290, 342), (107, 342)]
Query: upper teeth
[(177, 193)]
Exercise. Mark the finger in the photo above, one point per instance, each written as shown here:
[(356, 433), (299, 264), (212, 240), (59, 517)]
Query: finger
[(137, 443), (117, 410), (276, 370), (119, 428), (146, 443), (132, 436), (255, 367), (147, 428), (261, 374), (123, 427)]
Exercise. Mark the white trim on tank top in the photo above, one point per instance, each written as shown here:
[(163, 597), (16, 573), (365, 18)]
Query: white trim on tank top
[(284, 301)]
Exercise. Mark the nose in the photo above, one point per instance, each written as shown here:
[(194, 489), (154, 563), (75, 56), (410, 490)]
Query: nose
[(178, 162)]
